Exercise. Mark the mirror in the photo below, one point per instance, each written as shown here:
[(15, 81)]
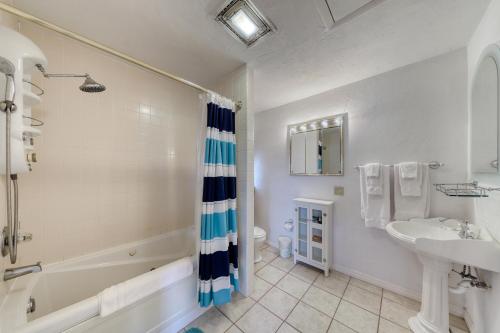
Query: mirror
[(484, 118), (316, 147)]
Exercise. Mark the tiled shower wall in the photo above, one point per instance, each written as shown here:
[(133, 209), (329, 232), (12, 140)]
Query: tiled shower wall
[(113, 167)]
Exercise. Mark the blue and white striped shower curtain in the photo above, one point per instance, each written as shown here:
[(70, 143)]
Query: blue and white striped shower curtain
[(218, 266)]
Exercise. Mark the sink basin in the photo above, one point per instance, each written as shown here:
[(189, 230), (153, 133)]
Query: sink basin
[(441, 240), (437, 245), (406, 233)]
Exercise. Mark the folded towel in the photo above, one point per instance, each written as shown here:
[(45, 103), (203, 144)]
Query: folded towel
[(410, 178), (412, 206), (374, 183), (376, 209), (409, 170), (372, 170), (123, 294)]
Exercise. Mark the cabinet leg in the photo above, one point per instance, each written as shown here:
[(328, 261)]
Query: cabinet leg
[(327, 272)]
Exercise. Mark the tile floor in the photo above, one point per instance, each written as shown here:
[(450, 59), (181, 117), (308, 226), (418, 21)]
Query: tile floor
[(290, 298)]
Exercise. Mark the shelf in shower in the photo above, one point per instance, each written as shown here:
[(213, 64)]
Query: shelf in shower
[(31, 132), (30, 98)]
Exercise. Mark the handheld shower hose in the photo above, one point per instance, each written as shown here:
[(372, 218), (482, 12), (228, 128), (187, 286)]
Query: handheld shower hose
[(8, 106)]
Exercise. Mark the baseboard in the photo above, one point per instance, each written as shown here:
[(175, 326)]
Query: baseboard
[(457, 310), (273, 244)]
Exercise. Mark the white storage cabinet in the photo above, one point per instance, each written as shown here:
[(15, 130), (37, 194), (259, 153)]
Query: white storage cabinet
[(312, 222)]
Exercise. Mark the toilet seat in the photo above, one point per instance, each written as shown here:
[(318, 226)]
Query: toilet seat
[(258, 232)]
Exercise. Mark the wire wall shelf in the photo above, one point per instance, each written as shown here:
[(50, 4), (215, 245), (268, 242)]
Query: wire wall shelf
[(465, 190)]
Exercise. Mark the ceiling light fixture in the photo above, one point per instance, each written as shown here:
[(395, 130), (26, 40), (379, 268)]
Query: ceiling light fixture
[(244, 21)]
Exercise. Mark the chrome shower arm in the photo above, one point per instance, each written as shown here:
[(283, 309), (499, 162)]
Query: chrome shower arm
[(49, 75)]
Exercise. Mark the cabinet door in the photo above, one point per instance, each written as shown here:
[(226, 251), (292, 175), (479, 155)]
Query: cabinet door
[(302, 231), (317, 236)]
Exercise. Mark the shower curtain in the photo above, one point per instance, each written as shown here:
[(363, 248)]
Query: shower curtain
[(218, 261)]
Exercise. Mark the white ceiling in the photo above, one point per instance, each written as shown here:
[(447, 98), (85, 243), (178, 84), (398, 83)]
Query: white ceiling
[(297, 61)]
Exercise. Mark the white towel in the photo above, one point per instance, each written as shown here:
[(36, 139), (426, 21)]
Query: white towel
[(408, 207), (123, 294), (374, 184), (409, 170), (376, 209), (410, 178), (372, 170)]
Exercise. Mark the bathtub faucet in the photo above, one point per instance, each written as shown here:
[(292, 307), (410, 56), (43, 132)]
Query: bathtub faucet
[(12, 273)]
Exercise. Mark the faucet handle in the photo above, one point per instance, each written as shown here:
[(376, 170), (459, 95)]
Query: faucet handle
[(465, 230)]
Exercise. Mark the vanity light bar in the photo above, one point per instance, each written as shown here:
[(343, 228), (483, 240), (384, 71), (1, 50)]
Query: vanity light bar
[(316, 124)]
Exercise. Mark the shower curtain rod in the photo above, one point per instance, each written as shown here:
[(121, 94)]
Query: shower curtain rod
[(19, 13)]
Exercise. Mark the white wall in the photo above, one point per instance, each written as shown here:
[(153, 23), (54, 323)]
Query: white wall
[(238, 86), (484, 306), (417, 112)]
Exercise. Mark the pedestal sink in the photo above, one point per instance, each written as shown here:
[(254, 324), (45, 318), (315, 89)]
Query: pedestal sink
[(438, 245)]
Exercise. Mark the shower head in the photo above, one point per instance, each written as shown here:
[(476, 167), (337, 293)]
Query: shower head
[(90, 86), (7, 67)]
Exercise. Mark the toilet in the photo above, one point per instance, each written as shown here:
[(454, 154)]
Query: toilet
[(259, 236)]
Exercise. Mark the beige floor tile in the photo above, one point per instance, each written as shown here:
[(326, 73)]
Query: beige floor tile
[(356, 318), (386, 326), (396, 312), (365, 285), (403, 300), (260, 287), (336, 327), (321, 300), (237, 308), (234, 329), (212, 321), (283, 264), (458, 322), (259, 319), (307, 319), (267, 255), (331, 284), (305, 273), (285, 328), (363, 298), (294, 286), (278, 302), (271, 274), (258, 266)]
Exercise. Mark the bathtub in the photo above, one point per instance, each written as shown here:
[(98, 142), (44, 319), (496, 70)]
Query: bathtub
[(66, 293)]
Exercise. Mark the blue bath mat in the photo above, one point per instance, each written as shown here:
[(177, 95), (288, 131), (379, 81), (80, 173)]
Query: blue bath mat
[(194, 330)]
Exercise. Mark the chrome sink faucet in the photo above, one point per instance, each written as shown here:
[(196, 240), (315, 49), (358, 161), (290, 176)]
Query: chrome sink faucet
[(12, 273), (465, 231)]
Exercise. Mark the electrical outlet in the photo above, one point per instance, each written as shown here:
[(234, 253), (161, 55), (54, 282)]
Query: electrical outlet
[(339, 190)]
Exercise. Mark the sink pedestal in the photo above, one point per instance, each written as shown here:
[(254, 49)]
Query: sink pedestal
[(434, 312)]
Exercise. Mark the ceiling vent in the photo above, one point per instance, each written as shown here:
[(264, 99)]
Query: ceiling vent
[(335, 12), (244, 21)]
